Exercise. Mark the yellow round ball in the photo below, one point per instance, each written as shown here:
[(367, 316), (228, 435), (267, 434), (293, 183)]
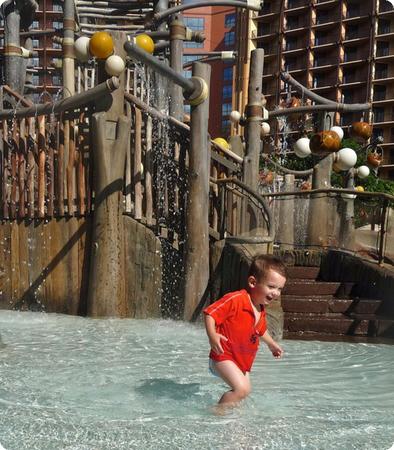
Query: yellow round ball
[(359, 188), (145, 42), (101, 45), (222, 142)]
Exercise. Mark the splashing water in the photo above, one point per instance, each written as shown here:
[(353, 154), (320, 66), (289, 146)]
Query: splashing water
[(84, 384)]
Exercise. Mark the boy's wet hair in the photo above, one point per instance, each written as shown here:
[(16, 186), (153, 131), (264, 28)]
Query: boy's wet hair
[(261, 264)]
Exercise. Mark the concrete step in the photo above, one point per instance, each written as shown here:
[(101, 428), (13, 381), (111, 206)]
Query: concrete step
[(317, 288), (326, 324), (303, 272), (328, 304)]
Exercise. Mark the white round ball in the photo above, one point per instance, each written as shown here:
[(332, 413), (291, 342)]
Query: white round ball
[(81, 48), (363, 171), (235, 116), (338, 131), (301, 148), (114, 65), (346, 158), (265, 129)]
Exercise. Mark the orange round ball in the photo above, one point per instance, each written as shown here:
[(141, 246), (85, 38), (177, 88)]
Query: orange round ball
[(145, 42), (101, 45)]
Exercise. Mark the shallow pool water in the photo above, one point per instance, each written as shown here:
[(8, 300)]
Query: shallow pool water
[(81, 384)]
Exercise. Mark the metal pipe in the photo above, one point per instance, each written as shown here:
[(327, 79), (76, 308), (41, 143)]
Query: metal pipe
[(141, 55), (160, 16), (260, 199), (282, 169), (337, 107), (319, 99), (68, 103)]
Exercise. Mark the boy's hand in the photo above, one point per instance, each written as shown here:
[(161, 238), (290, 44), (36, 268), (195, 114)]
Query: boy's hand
[(215, 343), (276, 350)]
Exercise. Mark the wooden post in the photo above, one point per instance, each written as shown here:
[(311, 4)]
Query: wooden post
[(41, 166), (111, 133), (197, 229), (254, 114), (320, 211), (285, 233), (137, 178)]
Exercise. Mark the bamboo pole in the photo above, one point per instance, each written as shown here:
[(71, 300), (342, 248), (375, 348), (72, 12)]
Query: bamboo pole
[(6, 174), (14, 168), (22, 148), (41, 167), (59, 169), (70, 170), (51, 142), (31, 166), (148, 173), (137, 164)]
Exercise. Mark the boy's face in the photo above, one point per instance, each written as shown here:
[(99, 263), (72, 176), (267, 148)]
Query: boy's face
[(264, 291)]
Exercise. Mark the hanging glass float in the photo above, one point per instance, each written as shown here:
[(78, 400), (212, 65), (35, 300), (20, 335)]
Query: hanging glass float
[(325, 142), (360, 131)]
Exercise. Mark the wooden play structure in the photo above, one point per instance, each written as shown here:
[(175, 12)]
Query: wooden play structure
[(113, 203)]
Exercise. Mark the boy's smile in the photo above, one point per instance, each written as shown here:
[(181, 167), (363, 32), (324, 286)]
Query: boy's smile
[(263, 292)]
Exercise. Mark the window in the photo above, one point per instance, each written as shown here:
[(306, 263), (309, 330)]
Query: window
[(226, 109), (229, 20), (383, 49), (347, 97), (353, 10), (291, 44), (352, 32), (377, 132), (35, 43), (323, 17), (383, 27), (379, 93), (292, 22), (350, 54), (227, 92), (349, 76), (57, 25), (321, 38), (378, 114), (35, 25), (195, 24), (187, 109), (229, 38), (381, 71), (57, 7), (35, 79), (225, 126), (291, 64), (228, 74), (35, 62), (57, 80), (56, 45)]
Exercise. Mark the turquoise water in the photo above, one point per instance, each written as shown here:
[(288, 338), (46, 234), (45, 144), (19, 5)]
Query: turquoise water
[(81, 384)]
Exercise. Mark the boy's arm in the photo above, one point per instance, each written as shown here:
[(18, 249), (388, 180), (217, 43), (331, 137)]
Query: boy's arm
[(213, 336), (275, 348)]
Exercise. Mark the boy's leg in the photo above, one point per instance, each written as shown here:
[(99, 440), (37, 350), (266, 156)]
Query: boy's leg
[(236, 379)]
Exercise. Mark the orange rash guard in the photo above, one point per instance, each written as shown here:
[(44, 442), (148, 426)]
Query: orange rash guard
[(234, 318)]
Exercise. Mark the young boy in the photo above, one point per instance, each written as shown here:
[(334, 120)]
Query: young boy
[(235, 323)]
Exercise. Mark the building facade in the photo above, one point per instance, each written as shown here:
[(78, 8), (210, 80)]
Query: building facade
[(341, 49), (218, 24), (44, 69)]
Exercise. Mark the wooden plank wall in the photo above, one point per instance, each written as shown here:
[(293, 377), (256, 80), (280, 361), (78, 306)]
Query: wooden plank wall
[(44, 265)]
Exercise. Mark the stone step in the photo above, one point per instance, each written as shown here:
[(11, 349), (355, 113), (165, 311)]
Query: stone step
[(328, 304), (317, 288), (311, 335), (326, 323), (303, 272)]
